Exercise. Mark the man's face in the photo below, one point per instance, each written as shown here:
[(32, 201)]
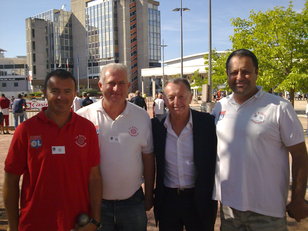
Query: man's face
[(60, 94), (177, 98), (242, 76), (115, 86)]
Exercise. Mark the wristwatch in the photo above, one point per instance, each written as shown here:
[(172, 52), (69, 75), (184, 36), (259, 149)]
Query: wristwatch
[(95, 222)]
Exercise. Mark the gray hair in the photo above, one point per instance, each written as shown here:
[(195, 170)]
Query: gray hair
[(178, 81), (114, 67)]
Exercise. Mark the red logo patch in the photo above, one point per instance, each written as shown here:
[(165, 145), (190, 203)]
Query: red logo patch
[(133, 131), (80, 140)]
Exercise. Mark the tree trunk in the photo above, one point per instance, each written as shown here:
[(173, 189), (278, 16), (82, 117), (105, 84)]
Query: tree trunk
[(292, 91)]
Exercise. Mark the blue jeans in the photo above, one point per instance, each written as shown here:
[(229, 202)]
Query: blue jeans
[(124, 215), (20, 116)]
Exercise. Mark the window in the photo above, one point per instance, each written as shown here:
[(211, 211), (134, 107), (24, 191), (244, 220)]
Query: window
[(33, 58), (33, 45), (33, 33), (3, 84), (15, 84), (34, 70)]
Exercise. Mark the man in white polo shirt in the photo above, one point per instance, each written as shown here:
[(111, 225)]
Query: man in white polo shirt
[(125, 140), (255, 131)]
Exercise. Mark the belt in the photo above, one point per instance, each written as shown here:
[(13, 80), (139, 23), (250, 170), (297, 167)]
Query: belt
[(180, 191)]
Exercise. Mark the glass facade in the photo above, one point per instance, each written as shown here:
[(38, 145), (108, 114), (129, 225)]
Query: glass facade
[(101, 34), (59, 44), (154, 33)]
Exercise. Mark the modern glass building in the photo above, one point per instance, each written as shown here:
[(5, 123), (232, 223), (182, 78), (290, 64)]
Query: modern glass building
[(126, 31), (49, 43)]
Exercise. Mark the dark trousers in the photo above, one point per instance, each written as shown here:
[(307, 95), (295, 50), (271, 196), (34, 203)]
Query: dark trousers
[(178, 211)]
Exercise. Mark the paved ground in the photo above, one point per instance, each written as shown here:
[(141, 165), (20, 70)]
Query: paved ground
[(6, 139)]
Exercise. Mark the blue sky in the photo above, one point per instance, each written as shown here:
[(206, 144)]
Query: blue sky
[(195, 21)]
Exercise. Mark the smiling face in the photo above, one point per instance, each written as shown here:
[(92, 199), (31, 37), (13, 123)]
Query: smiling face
[(242, 77), (114, 86), (60, 94), (177, 98)]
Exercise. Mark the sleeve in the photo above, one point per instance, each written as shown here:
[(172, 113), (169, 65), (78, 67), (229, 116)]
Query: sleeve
[(16, 160), (148, 144), (216, 110), (291, 130), (94, 152)]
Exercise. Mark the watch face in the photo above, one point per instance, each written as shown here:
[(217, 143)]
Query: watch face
[(94, 222), (83, 219)]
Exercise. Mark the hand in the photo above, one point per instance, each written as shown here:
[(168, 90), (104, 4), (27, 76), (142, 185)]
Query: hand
[(148, 203), (298, 209), (88, 227)]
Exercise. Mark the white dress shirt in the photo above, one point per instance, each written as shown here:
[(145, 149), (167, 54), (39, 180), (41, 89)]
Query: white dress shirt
[(179, 159)]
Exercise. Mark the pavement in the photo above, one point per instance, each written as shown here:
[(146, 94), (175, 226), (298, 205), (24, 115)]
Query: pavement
[(6, 139)]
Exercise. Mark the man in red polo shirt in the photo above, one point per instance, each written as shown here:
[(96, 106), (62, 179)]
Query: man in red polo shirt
[(57, 153), (4, 108)]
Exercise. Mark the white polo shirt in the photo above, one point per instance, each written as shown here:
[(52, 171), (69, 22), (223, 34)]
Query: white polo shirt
[(122, 142), (252, 172)]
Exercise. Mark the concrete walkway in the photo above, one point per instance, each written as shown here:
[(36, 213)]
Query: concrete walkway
[(6, 139)]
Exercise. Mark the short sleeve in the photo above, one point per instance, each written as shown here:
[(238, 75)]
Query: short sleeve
[(148, 147), (291, 129), (16, 160), (94, 152)]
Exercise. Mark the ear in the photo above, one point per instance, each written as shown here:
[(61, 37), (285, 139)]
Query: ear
[(100, 85)]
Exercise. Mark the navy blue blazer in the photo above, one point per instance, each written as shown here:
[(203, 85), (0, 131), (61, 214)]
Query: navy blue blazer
[(205, 151)]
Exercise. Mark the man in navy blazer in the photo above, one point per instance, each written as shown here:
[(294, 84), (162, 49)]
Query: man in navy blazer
[(185, 150)]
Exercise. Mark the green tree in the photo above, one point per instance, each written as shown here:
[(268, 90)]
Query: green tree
[(279, 39)]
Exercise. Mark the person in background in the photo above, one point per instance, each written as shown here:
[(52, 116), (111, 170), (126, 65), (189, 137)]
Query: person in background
[(159, 107), (77, 103), (125, 139), (4, 108), (86, 100), (18, 109), (139, 100), (256, 131), (56, 152)]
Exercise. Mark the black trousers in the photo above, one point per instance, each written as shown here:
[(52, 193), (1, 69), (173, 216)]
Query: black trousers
[(178, 211)]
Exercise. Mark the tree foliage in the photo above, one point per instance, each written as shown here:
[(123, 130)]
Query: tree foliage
[(279, 38)]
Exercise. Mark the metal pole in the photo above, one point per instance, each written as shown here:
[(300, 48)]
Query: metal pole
[(181, 10), (210, 54), (78, 77)]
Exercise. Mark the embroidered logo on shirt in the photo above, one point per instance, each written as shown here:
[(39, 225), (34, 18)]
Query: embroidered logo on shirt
[(35, 141), (80, 140), (221, 115), (258, 117), (133, 131)]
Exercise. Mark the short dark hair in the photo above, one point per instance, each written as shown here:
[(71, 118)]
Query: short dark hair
[(178, 81), (3, 95), (62, 74), (243, 53)]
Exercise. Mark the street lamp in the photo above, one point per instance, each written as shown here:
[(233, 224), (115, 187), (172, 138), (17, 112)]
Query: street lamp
[(181, 9), (209, 98), (163, 62)]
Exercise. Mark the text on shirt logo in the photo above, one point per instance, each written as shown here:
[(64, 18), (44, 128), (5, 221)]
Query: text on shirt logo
[(35, 141)]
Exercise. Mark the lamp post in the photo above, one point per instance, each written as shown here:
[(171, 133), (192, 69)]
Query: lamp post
[(209, 98), (163, 62), (181, 9)]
